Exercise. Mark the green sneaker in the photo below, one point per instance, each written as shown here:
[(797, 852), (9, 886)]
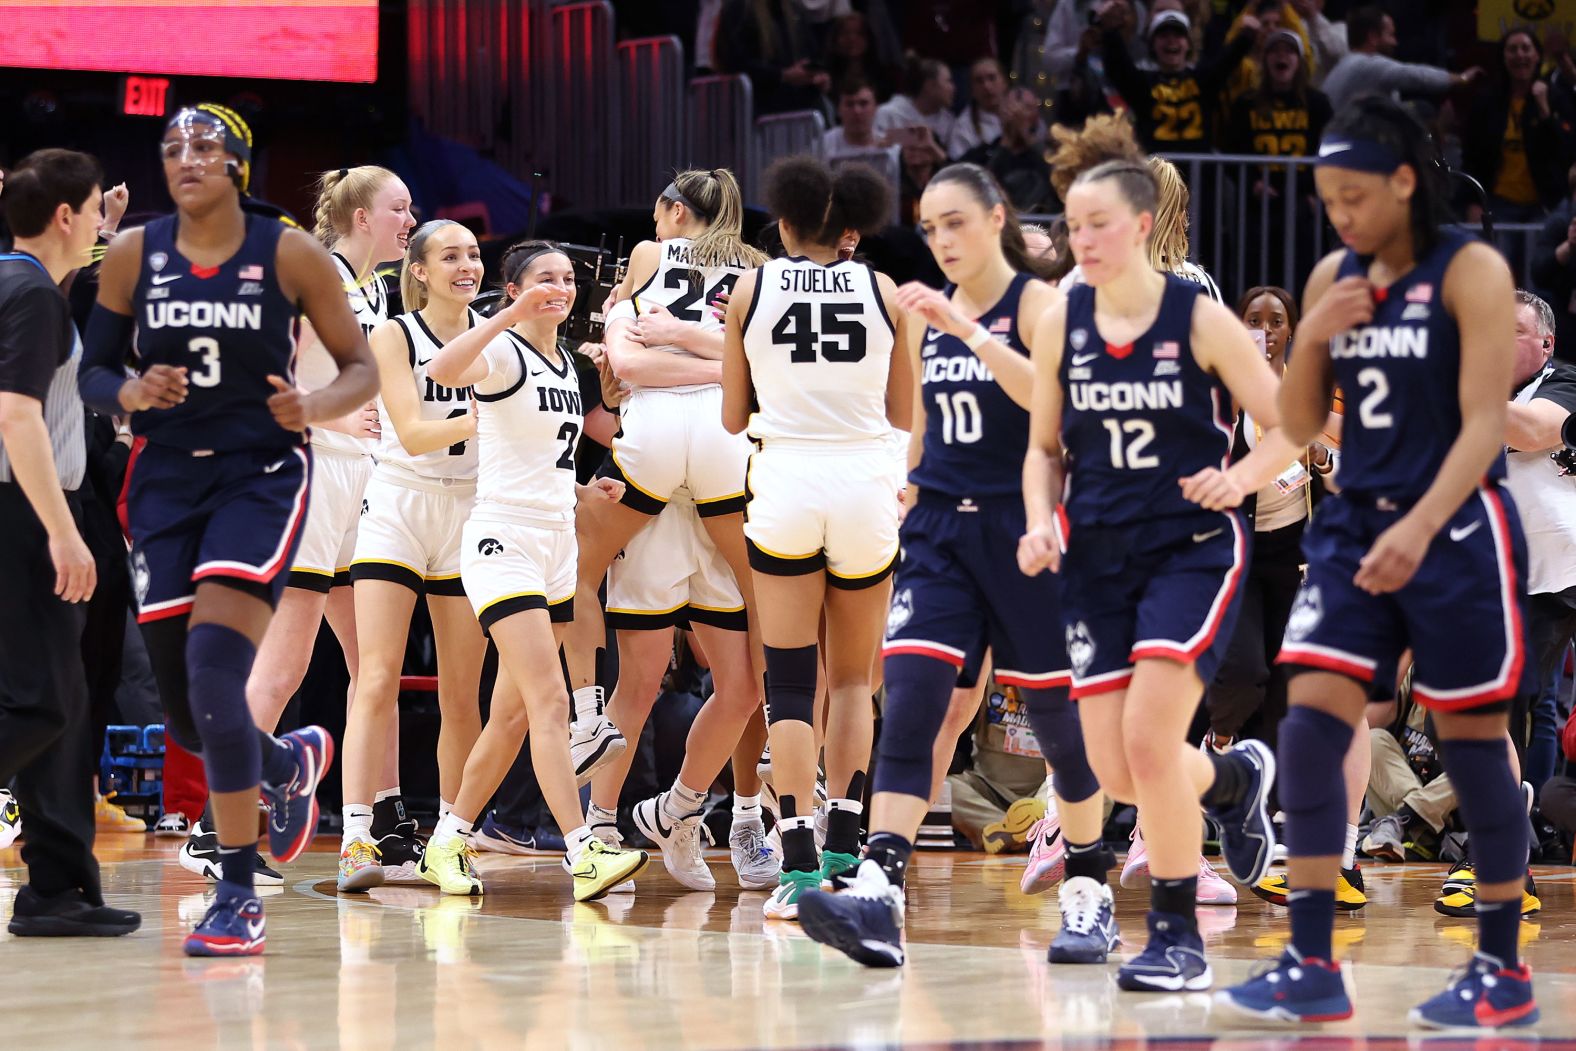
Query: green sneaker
[(784, 902), (834, 865)]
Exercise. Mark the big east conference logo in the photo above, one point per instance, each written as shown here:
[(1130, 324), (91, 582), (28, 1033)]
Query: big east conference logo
[(1533, 10)]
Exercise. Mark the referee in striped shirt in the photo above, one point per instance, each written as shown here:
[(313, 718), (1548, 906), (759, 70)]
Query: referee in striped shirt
[(51, 203)]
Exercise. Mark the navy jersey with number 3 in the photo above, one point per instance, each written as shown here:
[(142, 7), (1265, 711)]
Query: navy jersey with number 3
[(1401, 374), (975, 435), (1136, 419), (229, 326)]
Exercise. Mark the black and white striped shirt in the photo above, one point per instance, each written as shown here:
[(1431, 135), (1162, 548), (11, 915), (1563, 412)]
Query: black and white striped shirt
[(39, 353)]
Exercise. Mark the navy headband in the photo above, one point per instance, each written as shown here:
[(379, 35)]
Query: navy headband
[(531, 257), (1358, 155)]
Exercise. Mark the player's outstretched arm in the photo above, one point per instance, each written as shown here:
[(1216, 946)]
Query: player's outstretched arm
[(633, 361), (461, 362), (738, 389), (308, 277)]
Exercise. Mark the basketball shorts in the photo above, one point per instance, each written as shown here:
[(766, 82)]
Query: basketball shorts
[(226, 515), (410, 531), (959, 591), (671, 573), (1164, 588), (668, 441), (512, 562), (823, 505), (1462, 613), (333, 510)]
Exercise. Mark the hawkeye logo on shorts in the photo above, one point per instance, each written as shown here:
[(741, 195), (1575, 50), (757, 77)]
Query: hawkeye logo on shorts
[(365, 507), (1080, 648), (902, 609), (489, 546), (141, 576), (1306, 613)]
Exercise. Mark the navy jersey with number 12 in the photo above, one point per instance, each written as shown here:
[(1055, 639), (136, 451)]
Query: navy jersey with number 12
[(1136, 419), (230, 326)]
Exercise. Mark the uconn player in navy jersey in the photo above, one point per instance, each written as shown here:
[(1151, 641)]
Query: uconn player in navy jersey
[(1134, 376), (1422, 548), (363, 217), (216, 497), (958, 587)]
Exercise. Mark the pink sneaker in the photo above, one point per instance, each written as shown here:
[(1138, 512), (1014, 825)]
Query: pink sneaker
[(1135, 871), (1212, 890), (1047, 854)]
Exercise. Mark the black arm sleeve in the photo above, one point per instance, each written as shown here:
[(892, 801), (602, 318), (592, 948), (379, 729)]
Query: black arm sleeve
[(33, 340), (103, 370)]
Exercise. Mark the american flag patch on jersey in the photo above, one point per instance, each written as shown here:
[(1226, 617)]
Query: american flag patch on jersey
[(1423, 293), (1169, 349), (250, 273), (1000, 325)]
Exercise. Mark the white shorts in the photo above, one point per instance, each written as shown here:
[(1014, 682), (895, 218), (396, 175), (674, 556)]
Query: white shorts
[(671, 573), (333, 511), (510, 564), (816, 506), (410, 532), (668, 441)]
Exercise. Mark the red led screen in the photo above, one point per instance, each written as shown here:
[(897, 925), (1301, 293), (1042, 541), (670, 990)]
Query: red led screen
[(276, 39)]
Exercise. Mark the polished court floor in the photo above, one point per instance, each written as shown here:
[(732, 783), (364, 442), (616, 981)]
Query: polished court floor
[(526, 967)]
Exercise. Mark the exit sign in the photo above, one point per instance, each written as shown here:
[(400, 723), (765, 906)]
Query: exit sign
[(145, 96)]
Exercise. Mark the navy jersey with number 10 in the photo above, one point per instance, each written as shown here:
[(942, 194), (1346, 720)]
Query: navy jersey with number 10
[(975, 435), (1136, 419), (230, 326)]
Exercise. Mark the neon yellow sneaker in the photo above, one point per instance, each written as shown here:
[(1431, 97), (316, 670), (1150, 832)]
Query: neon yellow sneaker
[(360, 866), (447, 865), (600, 868), (111, 818)]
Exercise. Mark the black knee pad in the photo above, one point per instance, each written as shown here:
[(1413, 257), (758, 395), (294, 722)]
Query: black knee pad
[(790, 684), (165, 641), (1054, 719)]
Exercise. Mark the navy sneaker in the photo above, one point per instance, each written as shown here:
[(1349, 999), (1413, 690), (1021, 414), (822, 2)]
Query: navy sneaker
[(864, 922), (1247, 836), (1088, 931), (1296, 989), (233, 926), (1171, 962), (1487, 995), (292, 808), (498, 838)]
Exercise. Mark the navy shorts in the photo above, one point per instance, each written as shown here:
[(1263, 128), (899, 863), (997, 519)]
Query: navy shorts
[(1462, 613), (233, 515), (1167, 587), (959, 590)]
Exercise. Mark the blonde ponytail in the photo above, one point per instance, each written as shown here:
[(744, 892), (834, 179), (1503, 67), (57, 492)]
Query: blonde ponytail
[(1168, 243), (339, 194), (718, 203)]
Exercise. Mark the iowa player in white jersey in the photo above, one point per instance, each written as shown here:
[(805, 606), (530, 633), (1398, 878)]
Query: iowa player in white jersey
[(408, 544), (663, 340), (809, 371), (519, 562), (363, 217)]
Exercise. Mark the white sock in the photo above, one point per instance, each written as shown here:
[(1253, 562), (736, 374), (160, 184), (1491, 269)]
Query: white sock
[(588, 703), (845, 804), (452, 826), (358, 822), (1349, 854), (577, 841), (444, 808), (604, 821), (387, 793), (747, 808), (682, 802)]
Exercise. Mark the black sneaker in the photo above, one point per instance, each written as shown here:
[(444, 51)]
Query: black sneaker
[(401, 851), (67, 915), (388, 815), (199, 855)]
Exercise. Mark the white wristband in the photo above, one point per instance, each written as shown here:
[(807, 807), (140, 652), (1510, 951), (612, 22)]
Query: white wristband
[(978, 338)]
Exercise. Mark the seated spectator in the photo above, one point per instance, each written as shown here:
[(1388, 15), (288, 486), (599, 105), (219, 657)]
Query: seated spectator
[(925, 102), (1068, 41), (1369, 70), (854, 140), (1554, 268), (1004, 766), (762, 40), (851, 55), (980, 122), (920, 162), (1407, 787), (1516, 143), (1175, 103), (1017, 157)]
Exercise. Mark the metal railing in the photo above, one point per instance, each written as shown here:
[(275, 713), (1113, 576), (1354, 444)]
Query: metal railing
[(783, 135), (721, 125), (651, 92), (586, 114)]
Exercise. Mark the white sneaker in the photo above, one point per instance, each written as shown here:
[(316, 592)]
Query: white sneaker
[(172, 824), (592, 744), (763, 766), (756, 863), (10, 819), (679, 841), (823, 819)]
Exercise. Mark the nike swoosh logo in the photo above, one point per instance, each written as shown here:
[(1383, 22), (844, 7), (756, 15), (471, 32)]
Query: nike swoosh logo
[(666, 830), (254, 929), (538, 372), (1199, 538), (164, 279), (1330, 149), (1084, 359), (271, 468), (428, 361), (1461, 534)]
